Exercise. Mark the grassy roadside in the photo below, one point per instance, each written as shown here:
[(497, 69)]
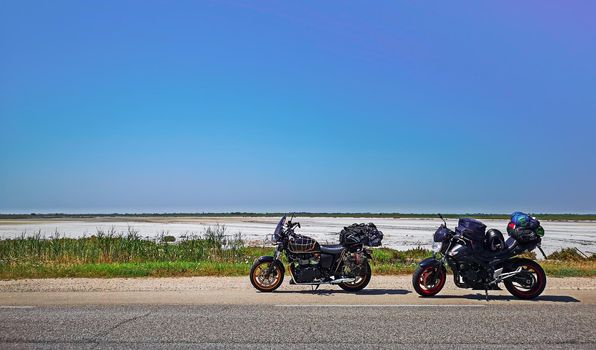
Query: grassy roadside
[(214, 253), (385, 262), (206, 268)]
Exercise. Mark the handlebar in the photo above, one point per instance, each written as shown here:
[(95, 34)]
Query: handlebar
[(290, 230)]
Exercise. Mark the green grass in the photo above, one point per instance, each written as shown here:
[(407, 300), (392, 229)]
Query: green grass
[(556, 268), (208, 268), (110, 247), (139, 269), (106, 255)]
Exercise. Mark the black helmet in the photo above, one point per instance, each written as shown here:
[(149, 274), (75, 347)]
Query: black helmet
[(494, 240)]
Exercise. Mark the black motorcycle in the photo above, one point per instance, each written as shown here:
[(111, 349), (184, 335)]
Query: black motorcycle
[(311, 263), (481, 260)]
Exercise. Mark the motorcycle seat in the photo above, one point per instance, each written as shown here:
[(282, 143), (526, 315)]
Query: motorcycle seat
[(333, 249), (511, 243), (496, 257)]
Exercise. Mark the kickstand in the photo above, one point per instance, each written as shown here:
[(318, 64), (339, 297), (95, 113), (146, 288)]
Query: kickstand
[(486, 292), (315, 288)]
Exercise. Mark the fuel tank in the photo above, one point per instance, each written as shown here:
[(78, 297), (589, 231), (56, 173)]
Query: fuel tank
[(460, 252)]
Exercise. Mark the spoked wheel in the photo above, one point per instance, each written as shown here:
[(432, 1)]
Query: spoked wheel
[(266, 276), (528, 284), (429, 280), (359, 283)]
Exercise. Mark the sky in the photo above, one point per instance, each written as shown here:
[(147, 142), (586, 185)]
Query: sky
[(340, 106)]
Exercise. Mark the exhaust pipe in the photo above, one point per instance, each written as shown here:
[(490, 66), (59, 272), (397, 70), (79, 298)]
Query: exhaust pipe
[(342, 280)]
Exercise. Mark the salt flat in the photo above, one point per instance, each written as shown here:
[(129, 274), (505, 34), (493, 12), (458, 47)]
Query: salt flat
[(399, 233)]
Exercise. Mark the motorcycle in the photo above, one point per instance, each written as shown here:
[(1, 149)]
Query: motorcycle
[(482, 264), (311, 263)]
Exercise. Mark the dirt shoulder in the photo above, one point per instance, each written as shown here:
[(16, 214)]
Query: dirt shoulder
[(221, 283), (237, 290)]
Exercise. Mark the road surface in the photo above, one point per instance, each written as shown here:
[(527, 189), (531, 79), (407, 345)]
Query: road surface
[(225, 313)]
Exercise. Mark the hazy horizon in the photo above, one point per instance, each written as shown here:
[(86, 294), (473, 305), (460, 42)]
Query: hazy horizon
[(165, 213)]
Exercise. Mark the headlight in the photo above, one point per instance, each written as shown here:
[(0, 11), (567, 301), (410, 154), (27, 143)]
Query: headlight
[(437, 246)]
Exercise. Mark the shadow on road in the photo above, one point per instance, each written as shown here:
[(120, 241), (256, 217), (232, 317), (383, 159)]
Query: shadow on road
[(551, 298), (377, 291)]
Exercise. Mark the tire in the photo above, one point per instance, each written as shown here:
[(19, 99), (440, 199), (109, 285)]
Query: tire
[(359, 284), (260, 280), (539, 278), (425, 287)]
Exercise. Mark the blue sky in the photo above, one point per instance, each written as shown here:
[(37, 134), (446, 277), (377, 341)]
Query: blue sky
[(153, 106)]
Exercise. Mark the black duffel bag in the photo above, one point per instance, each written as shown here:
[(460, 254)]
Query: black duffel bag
[(524, 235), (365, 234)]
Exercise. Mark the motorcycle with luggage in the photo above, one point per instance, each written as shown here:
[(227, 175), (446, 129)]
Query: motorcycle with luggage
[(481, 259), (310, 263)]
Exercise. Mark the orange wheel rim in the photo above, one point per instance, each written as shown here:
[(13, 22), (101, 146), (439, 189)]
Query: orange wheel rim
[(264, 280)]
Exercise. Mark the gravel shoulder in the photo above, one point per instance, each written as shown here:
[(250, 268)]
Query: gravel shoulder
[(224, 284), (238, 291)]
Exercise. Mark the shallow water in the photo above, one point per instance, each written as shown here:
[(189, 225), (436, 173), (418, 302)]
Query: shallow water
[(399, 233)]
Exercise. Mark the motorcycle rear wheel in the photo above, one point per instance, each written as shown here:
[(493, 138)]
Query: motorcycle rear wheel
[(537, 280), (360, 283)]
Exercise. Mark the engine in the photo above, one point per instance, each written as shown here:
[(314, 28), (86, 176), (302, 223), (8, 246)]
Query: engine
[(306, 267), (307, 274), (472, 275)]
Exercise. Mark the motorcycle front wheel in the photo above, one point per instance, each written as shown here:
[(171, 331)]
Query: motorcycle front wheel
[(360, 283), (429, 280), (530, 283), (266, 276)]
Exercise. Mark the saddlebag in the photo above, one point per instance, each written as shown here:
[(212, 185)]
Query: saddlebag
[(365, 234)]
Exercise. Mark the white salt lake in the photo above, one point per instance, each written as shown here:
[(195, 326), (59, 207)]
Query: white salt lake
[(399, 233)]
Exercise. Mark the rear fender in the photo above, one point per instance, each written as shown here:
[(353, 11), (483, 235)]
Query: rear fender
[(268, 258), (509, 263)]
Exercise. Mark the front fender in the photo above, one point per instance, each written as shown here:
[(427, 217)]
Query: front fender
[(432, 262), (269, 258)]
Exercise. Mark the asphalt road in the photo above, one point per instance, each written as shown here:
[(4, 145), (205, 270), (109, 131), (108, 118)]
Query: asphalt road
[(227, 313), (321, 326)]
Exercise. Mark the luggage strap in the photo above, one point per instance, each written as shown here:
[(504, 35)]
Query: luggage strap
[(542, 251)]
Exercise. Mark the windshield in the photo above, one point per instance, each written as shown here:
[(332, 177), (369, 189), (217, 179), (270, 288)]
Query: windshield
[(280, 227)]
